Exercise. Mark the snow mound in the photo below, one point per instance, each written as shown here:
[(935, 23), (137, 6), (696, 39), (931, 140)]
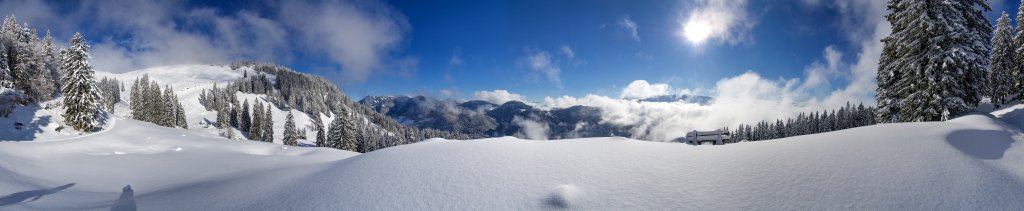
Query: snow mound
[(969, 163)]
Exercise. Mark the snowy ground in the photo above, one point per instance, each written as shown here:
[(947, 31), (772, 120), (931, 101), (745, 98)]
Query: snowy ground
[(969, 163), (972, 162)]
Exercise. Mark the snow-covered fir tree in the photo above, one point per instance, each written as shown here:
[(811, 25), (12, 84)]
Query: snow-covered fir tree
[(1017, 73), (347, 133), (255, 130), (245, 120), (50, 62), (334, 133), (268, 125), (179, 113), (933, 63), (1003, 64), (234, 114), (290, 136), (81, 97), (223, 115), (321, 136), (807, 123)]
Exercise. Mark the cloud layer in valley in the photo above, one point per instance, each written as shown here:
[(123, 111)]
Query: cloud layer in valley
[(749, 97)]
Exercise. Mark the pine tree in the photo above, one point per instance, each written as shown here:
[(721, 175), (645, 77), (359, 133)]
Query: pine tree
[(222, 116), (255, 129), (1003, 64), (245, 120), (1018, 72), (167, 108), (153, 103), (41, 85), (963, 62), (50, 61), (321, 137), (180, 114), (268, 125), (81, 97), (290, 135), (335, 136), (348, 133), (933, 63), (235, 113)]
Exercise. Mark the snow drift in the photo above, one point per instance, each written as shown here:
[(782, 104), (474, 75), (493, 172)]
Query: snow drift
[(972, 162)]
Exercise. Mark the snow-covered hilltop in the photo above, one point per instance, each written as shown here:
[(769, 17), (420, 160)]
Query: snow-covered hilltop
[(972, 162)]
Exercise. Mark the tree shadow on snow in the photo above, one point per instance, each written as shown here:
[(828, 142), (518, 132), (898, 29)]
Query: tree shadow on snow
[(981, 144), (23, 125), (127, 200), (32, 195), (1015, 117)]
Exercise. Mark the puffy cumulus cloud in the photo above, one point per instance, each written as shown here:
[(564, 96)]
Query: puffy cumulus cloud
[(630, 27), (640, 89), (358, 36), (498, 96), (716, 20), (740, 99), (864, 25)]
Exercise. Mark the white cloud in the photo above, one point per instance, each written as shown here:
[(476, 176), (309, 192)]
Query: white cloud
[(864, 24), (640, 89), (567, 52), (530, 129), (741, 99), (447, 92), (749, 97), (717, 20), (542, 63), (358, 36), (498, 96), (630, 26)]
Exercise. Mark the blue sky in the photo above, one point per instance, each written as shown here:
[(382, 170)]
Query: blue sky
[(534, 48)]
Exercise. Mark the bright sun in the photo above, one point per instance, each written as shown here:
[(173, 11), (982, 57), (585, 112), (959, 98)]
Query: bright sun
[(697, 31)]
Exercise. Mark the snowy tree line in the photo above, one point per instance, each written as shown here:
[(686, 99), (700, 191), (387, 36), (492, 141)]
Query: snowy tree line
[(935, 63), (110, 90), (149, 104), (29, 64), (1006, 75), (33, 71), (807, 123), (352, 126)]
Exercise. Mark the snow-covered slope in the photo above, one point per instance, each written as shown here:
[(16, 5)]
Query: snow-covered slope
[(190, 80), (970, 163), (89, 172)]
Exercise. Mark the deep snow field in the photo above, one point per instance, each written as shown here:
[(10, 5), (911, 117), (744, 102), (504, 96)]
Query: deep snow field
[(975, 162)]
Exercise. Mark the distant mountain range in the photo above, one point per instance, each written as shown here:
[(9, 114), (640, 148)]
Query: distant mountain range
[(514, 118)]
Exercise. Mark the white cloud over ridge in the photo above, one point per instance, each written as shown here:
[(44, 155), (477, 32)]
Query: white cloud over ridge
[(357, 37), (499, 96), (749, 97)]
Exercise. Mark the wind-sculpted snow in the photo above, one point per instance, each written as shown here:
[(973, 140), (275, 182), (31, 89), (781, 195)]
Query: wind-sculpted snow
[(969, 163)]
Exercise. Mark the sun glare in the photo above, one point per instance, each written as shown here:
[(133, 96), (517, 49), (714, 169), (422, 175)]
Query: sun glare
[(697, 31)]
